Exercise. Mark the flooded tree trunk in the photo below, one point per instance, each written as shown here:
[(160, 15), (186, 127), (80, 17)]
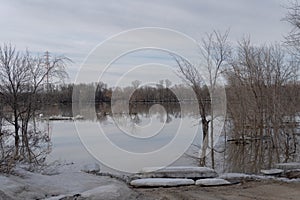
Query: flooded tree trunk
[(17, 137), (212, 153), (205, 126)]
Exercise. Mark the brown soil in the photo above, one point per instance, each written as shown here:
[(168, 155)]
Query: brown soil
[(262, 190)]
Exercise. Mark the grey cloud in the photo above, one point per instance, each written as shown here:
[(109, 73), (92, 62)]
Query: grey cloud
[(75, 27)]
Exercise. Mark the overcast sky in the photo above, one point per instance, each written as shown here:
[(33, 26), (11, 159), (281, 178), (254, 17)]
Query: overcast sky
[(74, 28)]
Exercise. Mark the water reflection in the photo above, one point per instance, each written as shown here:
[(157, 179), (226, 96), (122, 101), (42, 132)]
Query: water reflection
[(250, 153), (255, 151)]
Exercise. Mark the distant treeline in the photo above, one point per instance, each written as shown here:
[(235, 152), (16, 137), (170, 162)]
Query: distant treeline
[(287, 94), (63, 93)]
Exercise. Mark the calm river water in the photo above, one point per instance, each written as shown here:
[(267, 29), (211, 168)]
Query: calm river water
[(148, 128)]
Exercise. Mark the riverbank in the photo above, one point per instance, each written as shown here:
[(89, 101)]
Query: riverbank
[(259, 190), (61, 182), (68, 181)]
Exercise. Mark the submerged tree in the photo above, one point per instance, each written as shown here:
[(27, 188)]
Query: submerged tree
[(261, 107), (22, 77), (215, 51)]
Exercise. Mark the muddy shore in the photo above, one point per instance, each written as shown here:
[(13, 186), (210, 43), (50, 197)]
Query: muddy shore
[(260, 190)]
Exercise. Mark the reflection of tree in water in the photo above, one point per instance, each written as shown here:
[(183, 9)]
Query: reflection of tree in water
[(124, 121), (39, 138), (246, 152), (135, 118), (262, 105), (251, 154), (169, 118), (142, 110)]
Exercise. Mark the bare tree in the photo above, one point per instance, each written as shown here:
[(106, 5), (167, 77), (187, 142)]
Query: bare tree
[(293, 37), (135, 85), (259, 86), (215, 50), (22, 78)]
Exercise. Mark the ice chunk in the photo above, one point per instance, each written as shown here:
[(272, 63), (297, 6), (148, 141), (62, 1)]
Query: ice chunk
[(177, 172), (161, 182), (212, 182)]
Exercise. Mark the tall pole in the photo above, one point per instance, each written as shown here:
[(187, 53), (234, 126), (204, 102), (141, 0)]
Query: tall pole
[(47, 68), (47, 86)]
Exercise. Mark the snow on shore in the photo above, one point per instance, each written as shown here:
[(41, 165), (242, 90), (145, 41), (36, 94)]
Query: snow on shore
[(64, 181), (68, 182)]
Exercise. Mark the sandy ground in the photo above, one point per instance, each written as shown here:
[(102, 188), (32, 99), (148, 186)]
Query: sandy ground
[(260, 190)]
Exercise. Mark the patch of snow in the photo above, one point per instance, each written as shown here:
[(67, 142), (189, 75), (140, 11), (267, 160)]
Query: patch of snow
[(70, 180), (114, 191), (177, 172), (176, 168), (212, 182), (241, 176), (107, 192), (297, 180), (91, 168), (78, 117), (50, 170), (161, 182), (59, 197), (272, 171)]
